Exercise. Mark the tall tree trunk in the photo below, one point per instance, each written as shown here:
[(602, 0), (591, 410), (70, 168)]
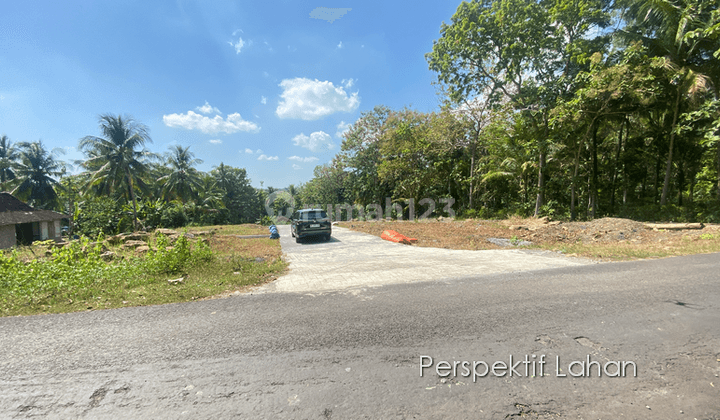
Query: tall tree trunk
[(593, 182), (718, 171), (589, 195), (573, 182), (657, 179), (681, 182), (573, 185), (541, 184), (615, 170), (132, 197), (541, 166), (693, 174), (625, 182), (668, 166), (472, 169)]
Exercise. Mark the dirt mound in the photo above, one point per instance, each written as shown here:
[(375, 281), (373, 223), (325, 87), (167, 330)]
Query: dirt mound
[(607, 229)]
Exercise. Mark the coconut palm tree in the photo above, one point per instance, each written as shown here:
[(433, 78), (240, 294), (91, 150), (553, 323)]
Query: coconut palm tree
[(8, 157), (116, 164), (210, 195), (183, 181), (673, 31), (35, 173)]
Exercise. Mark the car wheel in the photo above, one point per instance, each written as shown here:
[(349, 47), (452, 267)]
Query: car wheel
[(297, 239), (327, 238)]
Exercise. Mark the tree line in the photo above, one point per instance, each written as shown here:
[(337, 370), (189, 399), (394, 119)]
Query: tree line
[(122, 186), (571, 108)]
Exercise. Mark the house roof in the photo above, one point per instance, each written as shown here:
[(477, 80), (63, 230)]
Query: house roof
[(14, 211)]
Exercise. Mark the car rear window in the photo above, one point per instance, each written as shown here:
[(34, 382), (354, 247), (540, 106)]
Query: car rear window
[(310, 215)]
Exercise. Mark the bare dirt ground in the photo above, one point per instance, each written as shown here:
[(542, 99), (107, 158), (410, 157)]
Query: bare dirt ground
[(602, 239)]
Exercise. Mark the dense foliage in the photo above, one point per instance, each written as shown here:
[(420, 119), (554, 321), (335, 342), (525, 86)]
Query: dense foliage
[(575, 109), (568, 108), (124, 187)]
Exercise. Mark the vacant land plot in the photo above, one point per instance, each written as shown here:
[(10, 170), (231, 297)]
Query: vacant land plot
[(607, 239), (135, 270)]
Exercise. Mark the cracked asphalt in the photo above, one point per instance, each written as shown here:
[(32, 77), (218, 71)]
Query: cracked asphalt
[(357, 352)]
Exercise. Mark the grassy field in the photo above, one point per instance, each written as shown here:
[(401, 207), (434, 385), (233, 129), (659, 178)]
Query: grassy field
[(34, 280)]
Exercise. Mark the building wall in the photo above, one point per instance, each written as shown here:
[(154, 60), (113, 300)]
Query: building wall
[(7, 236), (43, 230)]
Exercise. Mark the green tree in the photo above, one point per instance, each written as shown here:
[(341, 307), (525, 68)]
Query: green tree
[(115, 163), (183, 182), (240, 198), (210, 195), (408, 163), (527, 52), (8, 158), (36, 174), (360, 158), (683, 35)]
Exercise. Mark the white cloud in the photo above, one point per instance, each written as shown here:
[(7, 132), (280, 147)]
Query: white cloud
[(263, 157), (193, 121), (315, 141), (296, 167), (263, 100), (348, 83), (329, 14), (302, 159), (207, 109), (341, 129), (307, 99), (237, 45), (339, 45), (216, 141), (249, 151)]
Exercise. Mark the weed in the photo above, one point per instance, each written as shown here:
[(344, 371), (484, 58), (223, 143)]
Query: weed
[(75, 277)]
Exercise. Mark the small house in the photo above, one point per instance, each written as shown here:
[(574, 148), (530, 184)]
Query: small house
[(21, 224)]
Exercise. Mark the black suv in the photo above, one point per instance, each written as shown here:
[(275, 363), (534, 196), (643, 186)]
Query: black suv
[(310, 222)]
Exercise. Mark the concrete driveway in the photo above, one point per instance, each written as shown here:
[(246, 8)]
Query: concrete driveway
[(355, 260)]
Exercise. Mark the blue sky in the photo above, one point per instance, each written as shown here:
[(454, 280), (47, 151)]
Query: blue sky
[(266, 86)]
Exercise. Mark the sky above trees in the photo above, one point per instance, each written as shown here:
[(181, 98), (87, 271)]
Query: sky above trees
[(267, 86)]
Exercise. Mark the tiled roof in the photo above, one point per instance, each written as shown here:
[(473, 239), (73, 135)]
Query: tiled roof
[(14, 211)]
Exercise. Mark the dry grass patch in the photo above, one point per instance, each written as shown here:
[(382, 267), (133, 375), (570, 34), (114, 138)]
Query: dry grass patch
[(610, 239), (244, 229)]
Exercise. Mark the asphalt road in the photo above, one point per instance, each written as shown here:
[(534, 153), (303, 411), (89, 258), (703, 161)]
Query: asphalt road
[(357, 354)]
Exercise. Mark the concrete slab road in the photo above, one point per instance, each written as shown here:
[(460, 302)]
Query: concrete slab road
[(354, 260)]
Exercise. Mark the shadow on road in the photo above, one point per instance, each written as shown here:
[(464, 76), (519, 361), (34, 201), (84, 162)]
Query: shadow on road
[(317, 240)]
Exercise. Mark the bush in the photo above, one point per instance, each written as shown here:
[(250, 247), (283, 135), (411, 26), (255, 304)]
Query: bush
[(78, 269), (100, 215)]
